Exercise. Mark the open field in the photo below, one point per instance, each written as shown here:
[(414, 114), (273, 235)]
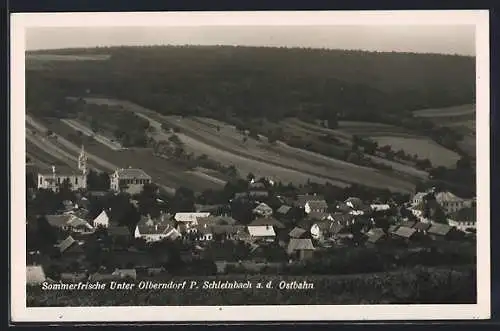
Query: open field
[(78, 126), (444, 285), (368, 129), (446, 112), (396, 137), (281, 162), (166, 174), (425, 148)]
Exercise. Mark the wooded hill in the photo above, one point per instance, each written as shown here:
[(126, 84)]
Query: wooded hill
[(249, 82)]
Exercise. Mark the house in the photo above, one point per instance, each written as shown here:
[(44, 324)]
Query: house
[(380, 207), (216, 220), (257, 185), (297, 232), (129, 180), (301, 249), (229, 232), (418, 198), (240, 196), (35, 275), (52, 180), (258, 194), (422, 227), (263, 210), (354, 203), (318, 216), (283, 211), (130, 274), (189, 219), (451, 203), (267, 221), (317, 206), (212, 209), (404, 233), (155, 230), (464, 219), (302, 199), (343, 219), (102, 220), (440, 231), (69, 222), (70, 246), (375, 236), (262, 232)]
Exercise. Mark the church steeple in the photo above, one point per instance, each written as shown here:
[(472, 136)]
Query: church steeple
[(82, 161)]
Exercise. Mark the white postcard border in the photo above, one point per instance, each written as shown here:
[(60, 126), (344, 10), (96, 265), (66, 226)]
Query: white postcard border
[(19, 311)]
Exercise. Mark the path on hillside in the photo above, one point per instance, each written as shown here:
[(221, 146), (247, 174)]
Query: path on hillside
[(342, 173)]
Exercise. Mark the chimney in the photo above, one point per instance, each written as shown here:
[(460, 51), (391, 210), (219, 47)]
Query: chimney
[(156, 227)]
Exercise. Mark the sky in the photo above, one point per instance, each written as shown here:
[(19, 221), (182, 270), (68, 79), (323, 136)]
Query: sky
[(443, 39)]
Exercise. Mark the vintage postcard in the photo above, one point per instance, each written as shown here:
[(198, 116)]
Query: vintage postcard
[(209, 166)]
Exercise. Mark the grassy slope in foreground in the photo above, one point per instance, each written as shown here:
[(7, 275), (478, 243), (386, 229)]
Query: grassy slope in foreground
[(418, 285)]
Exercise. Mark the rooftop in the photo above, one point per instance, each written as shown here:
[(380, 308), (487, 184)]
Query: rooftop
[(261, 231), (317, 204), (267, 221), (299, 244), (405, 232), (132, 173), (440, 229)]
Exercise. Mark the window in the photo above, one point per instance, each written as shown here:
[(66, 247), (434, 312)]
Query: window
[(41, 180), (58, 180), (76, 180)]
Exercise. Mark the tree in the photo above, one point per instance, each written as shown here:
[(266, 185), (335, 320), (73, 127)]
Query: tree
[(250, 177)]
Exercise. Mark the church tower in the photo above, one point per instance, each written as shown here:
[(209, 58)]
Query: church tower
[(82, 161)]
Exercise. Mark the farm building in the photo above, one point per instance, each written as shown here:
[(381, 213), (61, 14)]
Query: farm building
[(300, 248), (53, 180), (129, 180)]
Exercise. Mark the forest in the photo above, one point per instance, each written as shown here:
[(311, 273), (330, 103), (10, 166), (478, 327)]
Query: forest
[(227, 82)]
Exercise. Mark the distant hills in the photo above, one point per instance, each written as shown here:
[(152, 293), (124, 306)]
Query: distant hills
[(243, 82)]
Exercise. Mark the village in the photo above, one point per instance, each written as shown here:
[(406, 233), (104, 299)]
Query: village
[(282, 233)]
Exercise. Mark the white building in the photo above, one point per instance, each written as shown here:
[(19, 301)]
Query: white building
[(52, 180), (155, 230), (451, 203), (261, 232), (190, 219), (101, 220), (129, 180)]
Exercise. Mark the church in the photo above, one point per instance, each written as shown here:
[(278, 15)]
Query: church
[(54, 179)]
